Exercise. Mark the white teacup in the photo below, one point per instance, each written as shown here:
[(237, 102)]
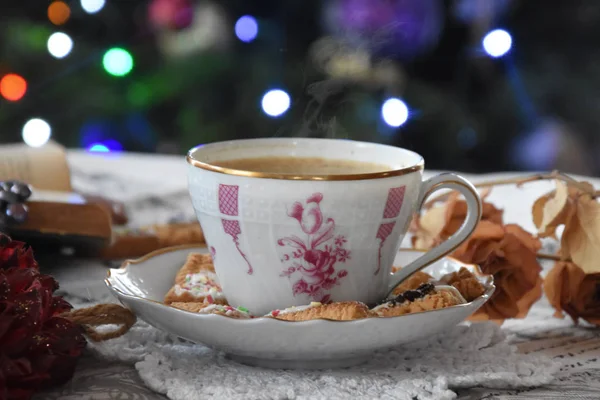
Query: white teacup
[(281, 240)]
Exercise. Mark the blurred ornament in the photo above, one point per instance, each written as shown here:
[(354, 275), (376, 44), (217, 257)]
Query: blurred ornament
[(246, 28), (60, 45), (553, 145), (469, 11), (92, 6), (27, 36), (467, 138), (497, 43), (106, 146), (342, 61), (97, 132), (209, 28), (117, 62), (13, 87), (98, 148), (171, 14), (387, 28), (275, 102), (36, 132), (139, 130), (58, 12), (394, 112)]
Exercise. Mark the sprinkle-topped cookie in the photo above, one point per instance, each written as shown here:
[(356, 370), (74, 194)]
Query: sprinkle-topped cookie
[(201, 284), (196, 281), (228, 311)]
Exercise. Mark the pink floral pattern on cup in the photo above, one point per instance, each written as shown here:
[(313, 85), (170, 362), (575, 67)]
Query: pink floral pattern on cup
[(312, 260)]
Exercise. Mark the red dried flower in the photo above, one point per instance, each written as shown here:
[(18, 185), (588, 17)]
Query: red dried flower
[(38, 348)]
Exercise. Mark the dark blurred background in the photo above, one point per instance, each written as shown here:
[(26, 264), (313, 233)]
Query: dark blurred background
[(472, 85)]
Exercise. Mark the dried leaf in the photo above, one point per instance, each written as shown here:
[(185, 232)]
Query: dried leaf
[(509, 254), (552, 210), (430, 227), (439, 222), (581, 238), (570, 290)]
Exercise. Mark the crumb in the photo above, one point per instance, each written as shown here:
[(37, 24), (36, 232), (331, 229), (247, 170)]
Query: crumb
[(466, 283)]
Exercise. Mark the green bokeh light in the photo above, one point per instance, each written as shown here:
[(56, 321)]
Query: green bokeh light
[(117, 61)]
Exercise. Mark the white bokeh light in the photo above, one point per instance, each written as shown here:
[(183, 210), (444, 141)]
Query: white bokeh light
[(275, 102), (394, 112), (497, 43), (36, 132), (60, 45), (92, 6)]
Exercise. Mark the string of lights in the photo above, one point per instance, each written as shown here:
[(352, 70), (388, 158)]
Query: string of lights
[(119, 62)]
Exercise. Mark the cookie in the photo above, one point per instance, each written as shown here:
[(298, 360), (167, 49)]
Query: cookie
[(342, 311), (427, 298), (190, 306), (220, 309), (177, 234), (466, 283), (412, 282), (130, 243), (196, 282)]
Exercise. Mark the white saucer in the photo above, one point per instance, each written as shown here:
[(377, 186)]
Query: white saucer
[(141, 285)]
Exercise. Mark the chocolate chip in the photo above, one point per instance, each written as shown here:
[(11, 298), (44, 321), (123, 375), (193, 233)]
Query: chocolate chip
[(412, 295), (426, 288)]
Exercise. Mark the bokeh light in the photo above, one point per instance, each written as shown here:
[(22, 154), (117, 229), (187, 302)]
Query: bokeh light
[(497, 43), (117, 62), (275, 102), (467, 138), (98, 148), (13, 87), (394, 112), (92, 6), (36, 132), (58, 12), (246, 28), (60, 45)]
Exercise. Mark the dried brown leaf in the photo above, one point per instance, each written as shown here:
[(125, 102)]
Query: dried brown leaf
[(570, 290), (552, 210), (581, 238), (441, 221), (509, 254)]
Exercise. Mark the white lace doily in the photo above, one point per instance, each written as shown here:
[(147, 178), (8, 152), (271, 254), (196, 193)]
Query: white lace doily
[(467, 356)]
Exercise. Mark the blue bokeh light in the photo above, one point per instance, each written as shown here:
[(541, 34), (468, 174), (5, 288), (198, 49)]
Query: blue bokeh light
[(394, 112), (246, 28), (497, 43), (105, 146), (98, 148), (275, 102)]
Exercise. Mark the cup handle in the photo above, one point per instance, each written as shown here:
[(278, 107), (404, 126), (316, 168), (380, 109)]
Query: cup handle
[(474, 209)]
